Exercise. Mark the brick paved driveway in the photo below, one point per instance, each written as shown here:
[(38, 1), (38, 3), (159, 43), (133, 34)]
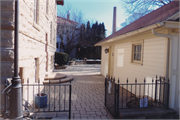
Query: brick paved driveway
[(87, 92)]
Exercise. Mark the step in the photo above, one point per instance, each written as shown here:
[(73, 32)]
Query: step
[(147, 113), (55, 76), (68, 79)]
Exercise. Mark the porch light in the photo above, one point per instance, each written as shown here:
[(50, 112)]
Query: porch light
[(106, 50)]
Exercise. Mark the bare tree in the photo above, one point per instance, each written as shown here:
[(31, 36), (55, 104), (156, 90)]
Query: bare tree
[(69, 35), (69, 30), (138, 8)]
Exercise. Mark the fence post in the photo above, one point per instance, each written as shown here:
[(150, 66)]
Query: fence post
[(168, 95), (144, 92), (118, 100), (126, 92), (135, 90), (70, 101), (160, 92), (156, 89), (39, 94), (152, 92), (27, 91), (105, 89), (49, 95), (115, 102)]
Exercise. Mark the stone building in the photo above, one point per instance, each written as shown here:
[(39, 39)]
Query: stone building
[(37, 39)]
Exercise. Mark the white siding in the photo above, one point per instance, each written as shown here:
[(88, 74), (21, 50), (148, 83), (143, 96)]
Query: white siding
[(154, 56), (104, 61)]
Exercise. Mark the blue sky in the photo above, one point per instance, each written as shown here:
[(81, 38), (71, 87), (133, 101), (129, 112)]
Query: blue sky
[(100, 10)]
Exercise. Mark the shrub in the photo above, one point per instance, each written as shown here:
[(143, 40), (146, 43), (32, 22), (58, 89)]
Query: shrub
[(61, 58)]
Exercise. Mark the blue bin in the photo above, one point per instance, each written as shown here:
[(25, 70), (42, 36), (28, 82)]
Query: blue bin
[(40, 101)]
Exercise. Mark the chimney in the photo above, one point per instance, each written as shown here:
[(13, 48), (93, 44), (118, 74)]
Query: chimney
[(68, 14), (114, 20)]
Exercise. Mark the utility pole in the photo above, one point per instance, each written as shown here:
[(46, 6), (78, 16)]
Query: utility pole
[(16, 92)]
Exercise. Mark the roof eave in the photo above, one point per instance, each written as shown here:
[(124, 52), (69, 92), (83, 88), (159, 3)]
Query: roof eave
[(131, 33), (60, 2)]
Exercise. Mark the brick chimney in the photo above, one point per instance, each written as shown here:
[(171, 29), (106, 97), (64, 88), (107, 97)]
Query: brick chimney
[(68, 14), (114, 20)]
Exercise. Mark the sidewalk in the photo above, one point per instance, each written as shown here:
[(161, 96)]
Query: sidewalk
[(87, 92)]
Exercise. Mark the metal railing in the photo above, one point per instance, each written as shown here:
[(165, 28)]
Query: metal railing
[(135, 95), (58, 97)]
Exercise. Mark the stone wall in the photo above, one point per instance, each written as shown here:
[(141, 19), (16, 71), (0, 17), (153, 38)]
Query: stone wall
[(32, 39)]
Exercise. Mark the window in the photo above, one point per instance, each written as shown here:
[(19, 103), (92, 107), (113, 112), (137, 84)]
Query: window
[(52, 62), (47, 2), (36, 9), (137, 49), (51, 33)]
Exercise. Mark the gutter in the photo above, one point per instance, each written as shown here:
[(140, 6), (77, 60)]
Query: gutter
[(131, 33)]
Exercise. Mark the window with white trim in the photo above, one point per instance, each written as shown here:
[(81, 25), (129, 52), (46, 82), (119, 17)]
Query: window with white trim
[(36, 10), (137, 52)]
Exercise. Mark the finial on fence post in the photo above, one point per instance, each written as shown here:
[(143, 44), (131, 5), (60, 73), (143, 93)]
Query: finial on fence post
[(156, 77), (160, 78), (127, 80), (144, 80), (152, 80), (164, 79), (135, 80), (28, 80), (118, 80)]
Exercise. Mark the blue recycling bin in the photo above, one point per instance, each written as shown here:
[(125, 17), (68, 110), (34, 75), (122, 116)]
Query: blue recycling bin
[(41, 101)]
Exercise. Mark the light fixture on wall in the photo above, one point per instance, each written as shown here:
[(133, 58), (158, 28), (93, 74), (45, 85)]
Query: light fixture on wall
[(106, 50)]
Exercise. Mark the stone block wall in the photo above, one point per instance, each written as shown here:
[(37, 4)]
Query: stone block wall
[(32, 39)]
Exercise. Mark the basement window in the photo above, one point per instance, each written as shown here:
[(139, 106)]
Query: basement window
[(137, 52)]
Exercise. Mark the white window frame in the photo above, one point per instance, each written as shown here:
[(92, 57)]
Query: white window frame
[(135, 43)]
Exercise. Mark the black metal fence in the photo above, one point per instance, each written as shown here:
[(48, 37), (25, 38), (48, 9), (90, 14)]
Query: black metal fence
[(111, 97), (58, 97), (135, 95)]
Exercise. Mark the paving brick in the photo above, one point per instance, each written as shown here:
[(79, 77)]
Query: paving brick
[(83, 112), (99, 113), (77, 115), (88, 95), (75, 112)]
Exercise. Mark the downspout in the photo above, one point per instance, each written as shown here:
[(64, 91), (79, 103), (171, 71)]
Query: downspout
[(168, 50), (168, 59)]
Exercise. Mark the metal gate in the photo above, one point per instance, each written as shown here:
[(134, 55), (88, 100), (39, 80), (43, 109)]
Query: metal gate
[(111, 97)]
